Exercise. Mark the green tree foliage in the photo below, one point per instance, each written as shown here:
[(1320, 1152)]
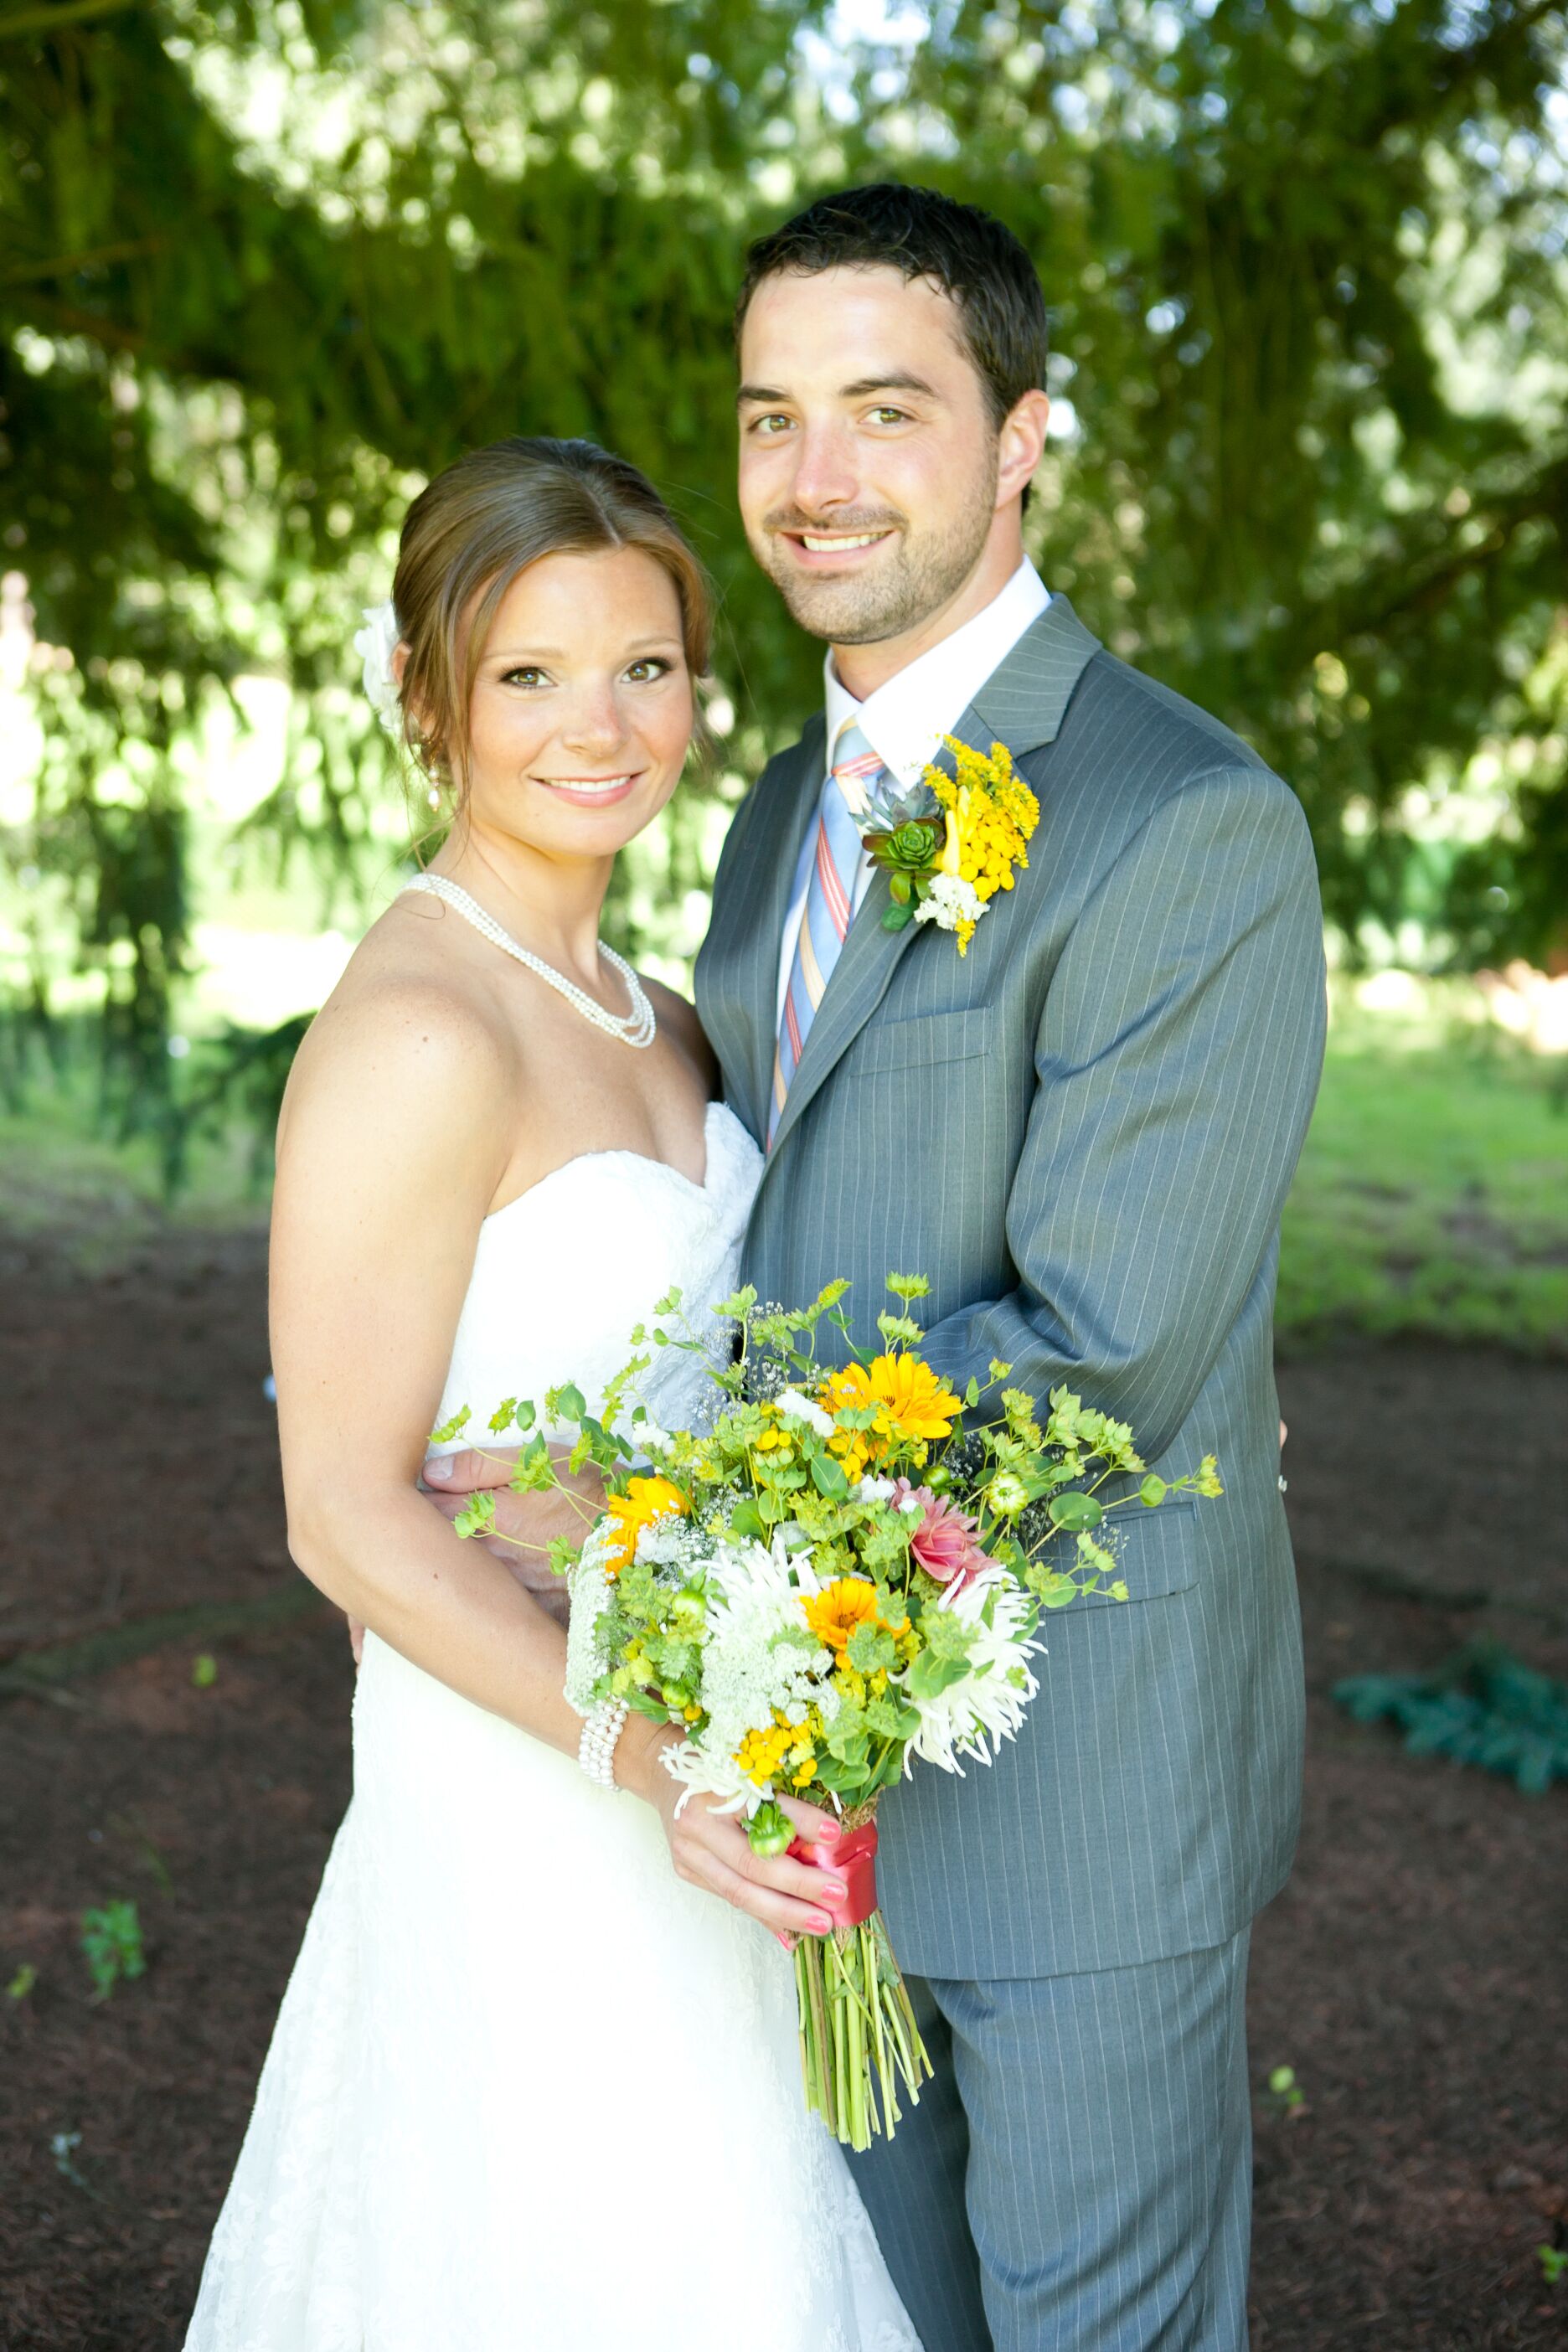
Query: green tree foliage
[(265, 265), (1266, 228)]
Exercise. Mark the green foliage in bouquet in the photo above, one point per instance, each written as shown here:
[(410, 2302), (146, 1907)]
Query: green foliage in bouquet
[(840, 1571)]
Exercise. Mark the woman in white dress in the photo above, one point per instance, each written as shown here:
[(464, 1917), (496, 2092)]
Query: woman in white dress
[(532, 2088)]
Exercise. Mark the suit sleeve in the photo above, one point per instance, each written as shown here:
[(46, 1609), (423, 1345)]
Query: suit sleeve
[(1177, 1061)]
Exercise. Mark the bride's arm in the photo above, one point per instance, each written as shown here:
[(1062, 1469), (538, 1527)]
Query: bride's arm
[(391, 1146), (390, 1149)]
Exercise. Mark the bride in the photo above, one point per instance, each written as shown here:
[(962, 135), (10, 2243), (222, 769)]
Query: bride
[(532, 2089)]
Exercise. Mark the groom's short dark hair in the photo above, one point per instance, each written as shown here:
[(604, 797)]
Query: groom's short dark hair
[(977, 261)]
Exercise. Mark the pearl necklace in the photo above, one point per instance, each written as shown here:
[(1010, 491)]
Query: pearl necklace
[(635, 1028)]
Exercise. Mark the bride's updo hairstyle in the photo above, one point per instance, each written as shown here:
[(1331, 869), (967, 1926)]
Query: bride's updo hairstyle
[(469, 533)]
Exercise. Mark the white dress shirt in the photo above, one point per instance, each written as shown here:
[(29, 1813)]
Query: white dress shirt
[(904, 719)]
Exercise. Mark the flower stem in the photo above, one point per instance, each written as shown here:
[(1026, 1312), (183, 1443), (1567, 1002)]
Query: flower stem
[(859, 2039)]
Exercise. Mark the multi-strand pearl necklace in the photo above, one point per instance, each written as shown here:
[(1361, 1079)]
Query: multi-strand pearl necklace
[(638, 1027)]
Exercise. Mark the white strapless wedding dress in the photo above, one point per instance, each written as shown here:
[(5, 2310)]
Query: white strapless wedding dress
[(528, 2092)]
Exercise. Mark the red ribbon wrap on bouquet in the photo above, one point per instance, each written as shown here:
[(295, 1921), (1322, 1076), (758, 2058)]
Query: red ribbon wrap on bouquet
[(852, 1858)]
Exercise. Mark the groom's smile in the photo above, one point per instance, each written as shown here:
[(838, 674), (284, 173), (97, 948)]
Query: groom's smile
[(834, 546), (823, 543)]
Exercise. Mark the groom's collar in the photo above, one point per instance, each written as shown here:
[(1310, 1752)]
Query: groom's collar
[(905, 720), (1024, 700)]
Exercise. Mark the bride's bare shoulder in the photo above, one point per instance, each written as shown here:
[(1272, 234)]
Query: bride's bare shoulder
[(409, 1031)]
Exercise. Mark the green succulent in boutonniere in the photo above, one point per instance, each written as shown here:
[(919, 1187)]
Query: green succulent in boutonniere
[(904, 832)]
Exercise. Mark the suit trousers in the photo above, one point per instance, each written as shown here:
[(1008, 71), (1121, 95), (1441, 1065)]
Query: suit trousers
[(1078, 2177)]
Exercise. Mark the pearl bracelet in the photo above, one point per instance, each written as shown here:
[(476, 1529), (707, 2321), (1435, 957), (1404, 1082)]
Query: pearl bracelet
[(601, 1732)]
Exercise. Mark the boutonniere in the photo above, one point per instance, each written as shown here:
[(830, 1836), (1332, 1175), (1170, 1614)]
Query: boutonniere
[(949, 844)]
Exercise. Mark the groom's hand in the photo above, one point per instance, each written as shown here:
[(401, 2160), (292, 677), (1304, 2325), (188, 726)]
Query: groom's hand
[(712, 1851), (524, 1524)]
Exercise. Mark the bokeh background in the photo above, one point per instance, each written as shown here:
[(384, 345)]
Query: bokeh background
[(265, 266)]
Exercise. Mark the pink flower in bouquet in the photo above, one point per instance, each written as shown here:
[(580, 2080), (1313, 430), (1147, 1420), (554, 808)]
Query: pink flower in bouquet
[(945, 1541)]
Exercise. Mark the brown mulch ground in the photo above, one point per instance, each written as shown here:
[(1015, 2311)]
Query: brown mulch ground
[(1413, 1973)]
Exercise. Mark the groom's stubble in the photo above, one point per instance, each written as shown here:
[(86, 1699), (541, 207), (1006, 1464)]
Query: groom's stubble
[(925, 570)]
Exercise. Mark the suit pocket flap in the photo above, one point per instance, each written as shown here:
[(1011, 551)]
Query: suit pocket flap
[(929, 1038), (1156, 1553)]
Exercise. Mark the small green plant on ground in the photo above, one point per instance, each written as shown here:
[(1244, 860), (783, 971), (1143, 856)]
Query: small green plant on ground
[(1285, 2093), (203, 1670), (1553, 2261), (111, 1945), (22, 1983)]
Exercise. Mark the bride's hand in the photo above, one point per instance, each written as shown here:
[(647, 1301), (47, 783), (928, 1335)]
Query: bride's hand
[(712, 1851), (528, 1520)]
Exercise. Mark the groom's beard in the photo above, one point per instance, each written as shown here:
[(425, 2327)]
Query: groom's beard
[(903, 585)]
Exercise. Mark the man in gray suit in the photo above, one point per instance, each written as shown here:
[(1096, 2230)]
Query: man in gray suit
[(1082, 1130)]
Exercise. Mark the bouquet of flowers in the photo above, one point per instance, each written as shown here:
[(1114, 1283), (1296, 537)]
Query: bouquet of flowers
[(833, 1576)]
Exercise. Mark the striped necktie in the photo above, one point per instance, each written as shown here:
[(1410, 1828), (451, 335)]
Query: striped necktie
[(829, 902)]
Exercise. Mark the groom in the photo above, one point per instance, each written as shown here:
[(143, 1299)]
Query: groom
[(1082, 1131)]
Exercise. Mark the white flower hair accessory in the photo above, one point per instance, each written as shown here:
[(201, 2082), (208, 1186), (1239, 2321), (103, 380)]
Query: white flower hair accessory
[(375, 644)]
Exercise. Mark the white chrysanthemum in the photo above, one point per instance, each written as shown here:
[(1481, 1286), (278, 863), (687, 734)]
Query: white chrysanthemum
[(986, 1706), (796, 1407), (708, 1775), (651, 1438), (874, 1490), (376, 644), (951, 902)]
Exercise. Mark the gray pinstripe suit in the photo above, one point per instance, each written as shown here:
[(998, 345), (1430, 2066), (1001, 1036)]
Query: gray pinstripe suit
[(1083, 1132)]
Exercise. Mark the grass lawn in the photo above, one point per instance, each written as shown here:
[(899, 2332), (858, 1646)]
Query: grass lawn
[(1432, 1192), (1432, 1196)]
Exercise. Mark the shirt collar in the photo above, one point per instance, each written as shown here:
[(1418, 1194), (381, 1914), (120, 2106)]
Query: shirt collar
[(903, 720)]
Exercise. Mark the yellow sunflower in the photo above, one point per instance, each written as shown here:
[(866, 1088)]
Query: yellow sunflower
[(835, 1612), (913, 1407), (645, 1500), (918, 1405)]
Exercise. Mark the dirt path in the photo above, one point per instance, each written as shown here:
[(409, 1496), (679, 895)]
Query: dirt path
[(1412, 1974)]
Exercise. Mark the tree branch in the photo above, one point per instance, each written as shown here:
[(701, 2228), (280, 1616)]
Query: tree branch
[(66, 265), (21, 22)]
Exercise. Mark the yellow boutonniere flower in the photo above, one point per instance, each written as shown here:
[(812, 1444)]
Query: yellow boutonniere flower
[(986, 812)]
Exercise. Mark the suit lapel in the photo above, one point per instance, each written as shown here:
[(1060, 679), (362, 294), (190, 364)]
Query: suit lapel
[(1024, 700), (749, 911), (1021, 703)]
